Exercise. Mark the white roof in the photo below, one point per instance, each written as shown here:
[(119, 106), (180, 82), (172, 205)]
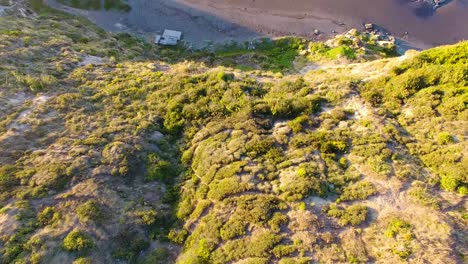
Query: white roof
[(169, 37), (172, 34)]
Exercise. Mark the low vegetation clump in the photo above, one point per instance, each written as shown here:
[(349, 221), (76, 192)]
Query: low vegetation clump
[(89, 211), (77, 240), (353, 215), (358, 191), (400, 231), (48, 216)]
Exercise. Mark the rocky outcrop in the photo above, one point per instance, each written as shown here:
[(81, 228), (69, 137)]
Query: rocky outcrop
[(438, 3), (17, 8)]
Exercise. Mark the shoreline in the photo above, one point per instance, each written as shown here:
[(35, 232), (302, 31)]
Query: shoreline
[(204, 22)]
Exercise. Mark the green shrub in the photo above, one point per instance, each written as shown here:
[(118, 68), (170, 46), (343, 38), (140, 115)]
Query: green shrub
[(306, 183), (148, 217), (341, 51), (256, 246), (159, 169), (398, 227), (401, 232), (274, 155), (402, 251), (295, 261), (204, 249), (283, 250), (354, 214), (420, 193), (178, 236), (445, 138), (358, 191), (128, 245), (118, 154), (448, 183), (77, 240), (158, 256), (233, 228), (463, 190), (89, 211), (333, 147), (298, 123), (53, 176), (277, 221), (259, 147), (82, 261), (223, 76), (225, 187), (7, 178), (48, 216)]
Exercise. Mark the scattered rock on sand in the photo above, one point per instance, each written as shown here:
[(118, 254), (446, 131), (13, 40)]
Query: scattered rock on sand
[(369, 26), (89, 59)]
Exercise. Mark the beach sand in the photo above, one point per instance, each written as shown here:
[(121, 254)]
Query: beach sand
[(425, 27), (219, 21)]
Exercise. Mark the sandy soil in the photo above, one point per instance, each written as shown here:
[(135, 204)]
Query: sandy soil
[(204, 21)]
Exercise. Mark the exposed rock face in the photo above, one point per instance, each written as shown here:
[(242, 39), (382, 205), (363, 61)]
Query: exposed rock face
[(438, 3), (17, 8)]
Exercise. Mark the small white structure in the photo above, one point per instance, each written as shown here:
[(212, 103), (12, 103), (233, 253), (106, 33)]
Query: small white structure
[(169, 37)]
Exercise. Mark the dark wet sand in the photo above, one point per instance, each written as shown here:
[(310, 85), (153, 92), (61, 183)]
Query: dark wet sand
[(424, 26), (203, 21)]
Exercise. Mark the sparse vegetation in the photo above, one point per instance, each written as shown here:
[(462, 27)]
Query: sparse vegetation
[(89, 211), (159, 155), (77, 240), (354, 214)]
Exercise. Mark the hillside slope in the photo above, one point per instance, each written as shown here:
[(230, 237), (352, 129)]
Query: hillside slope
[(113, 150)]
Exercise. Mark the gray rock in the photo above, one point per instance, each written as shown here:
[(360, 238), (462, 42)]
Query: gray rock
[(369, 26)]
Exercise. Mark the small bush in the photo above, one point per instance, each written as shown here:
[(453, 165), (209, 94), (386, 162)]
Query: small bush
[(448, 183), (333, 147), (48, 216), (445, 138), (82, 261), (354, 214), (223, 76), (157, 256), (178, 236), (358, 191), (89, 211), (7, 178), (129, 244), (159, 169), (77, 240), (421, 195), (463, 190), (283, 250), (232, 229), (277, 221), (398, 227), (259, 147), (148, 217), (297, 124)]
